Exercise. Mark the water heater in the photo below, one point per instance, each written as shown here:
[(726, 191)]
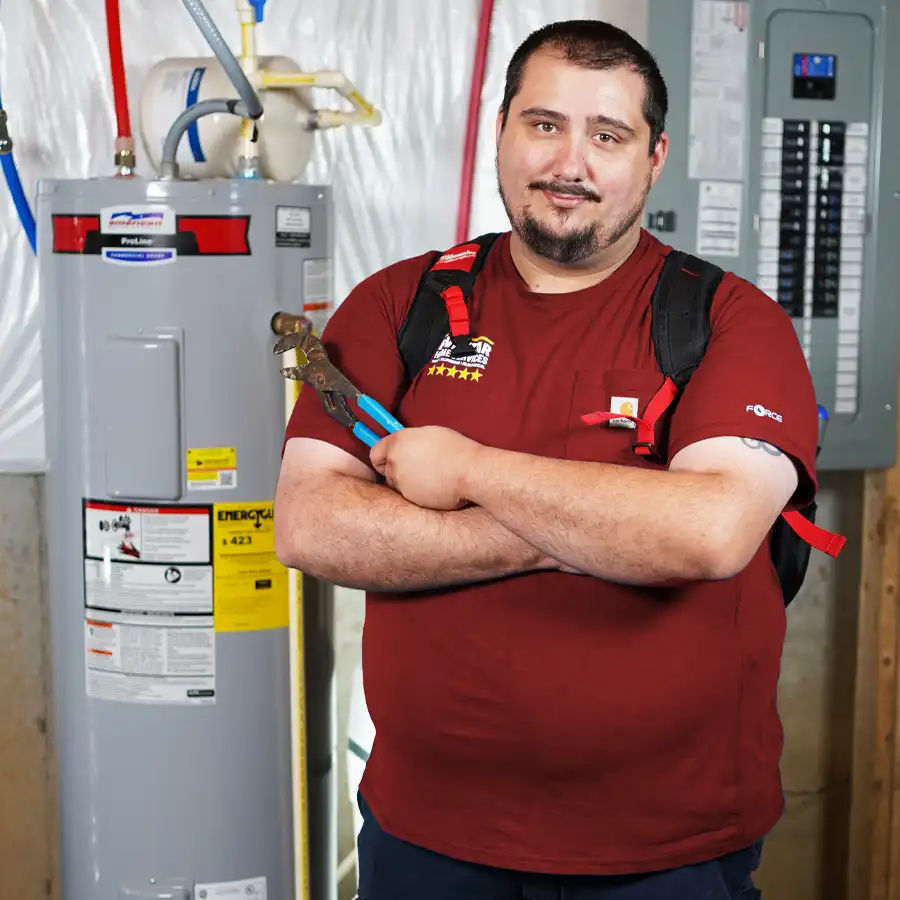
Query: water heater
[(169, 610)]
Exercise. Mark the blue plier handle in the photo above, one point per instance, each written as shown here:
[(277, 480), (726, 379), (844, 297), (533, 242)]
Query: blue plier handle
[(379, 414), (313, 366)]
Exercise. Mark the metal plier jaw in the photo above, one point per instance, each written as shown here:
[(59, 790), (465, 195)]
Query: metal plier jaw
[(305, 359)]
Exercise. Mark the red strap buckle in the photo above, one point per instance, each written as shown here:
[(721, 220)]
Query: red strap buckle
[(646, 425), (456, 310), (644, 428)]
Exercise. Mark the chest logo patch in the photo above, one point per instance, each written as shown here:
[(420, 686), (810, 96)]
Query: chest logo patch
[(466, 368), (623, 406)]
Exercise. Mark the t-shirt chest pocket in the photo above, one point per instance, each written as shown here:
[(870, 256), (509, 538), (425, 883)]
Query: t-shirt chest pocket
[(624, 391)]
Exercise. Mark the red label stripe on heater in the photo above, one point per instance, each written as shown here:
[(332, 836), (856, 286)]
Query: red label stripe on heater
[(214, 235), (70, 232), (218, 234)]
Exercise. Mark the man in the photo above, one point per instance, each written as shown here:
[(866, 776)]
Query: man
[(570, 653)]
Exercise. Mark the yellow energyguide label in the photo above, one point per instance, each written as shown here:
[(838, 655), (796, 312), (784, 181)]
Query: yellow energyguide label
[(250, 586), (212, 467)]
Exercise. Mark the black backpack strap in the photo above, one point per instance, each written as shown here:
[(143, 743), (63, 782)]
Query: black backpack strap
[(680, 309), (428, 319)]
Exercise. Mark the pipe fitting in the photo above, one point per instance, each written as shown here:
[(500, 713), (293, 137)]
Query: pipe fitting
[(249, 168), (286, 323), (124, 158), (124, 162), (246, 13), (6, 144)]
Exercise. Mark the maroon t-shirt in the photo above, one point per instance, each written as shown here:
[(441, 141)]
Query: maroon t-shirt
[(563, 723)]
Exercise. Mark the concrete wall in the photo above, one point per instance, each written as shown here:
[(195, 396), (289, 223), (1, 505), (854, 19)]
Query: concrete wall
[(27, 811), (805, 856)]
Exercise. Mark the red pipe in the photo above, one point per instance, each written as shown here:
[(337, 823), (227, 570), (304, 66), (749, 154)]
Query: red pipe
[(471, 145), (117, 69)]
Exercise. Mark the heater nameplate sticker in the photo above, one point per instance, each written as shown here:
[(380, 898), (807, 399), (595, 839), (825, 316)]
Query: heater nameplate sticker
[(251, 586), (145, 235), (292, 226), (138, 235), (148, 603)]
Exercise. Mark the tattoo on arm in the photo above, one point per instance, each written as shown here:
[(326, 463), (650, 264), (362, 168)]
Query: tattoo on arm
[(754, 444)]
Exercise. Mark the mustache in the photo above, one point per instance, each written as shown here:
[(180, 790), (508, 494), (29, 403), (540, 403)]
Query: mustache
[(570, 190)]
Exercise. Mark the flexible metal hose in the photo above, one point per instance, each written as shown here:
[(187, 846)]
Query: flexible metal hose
[(226, 58), (169, 168)]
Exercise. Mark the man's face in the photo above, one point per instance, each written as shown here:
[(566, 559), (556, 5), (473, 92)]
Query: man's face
[(573, 161)]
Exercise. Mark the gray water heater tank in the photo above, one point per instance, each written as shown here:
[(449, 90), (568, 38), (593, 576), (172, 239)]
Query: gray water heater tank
[(165, 414)]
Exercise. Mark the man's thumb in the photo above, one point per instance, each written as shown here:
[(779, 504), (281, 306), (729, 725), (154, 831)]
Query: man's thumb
[(378, 456)]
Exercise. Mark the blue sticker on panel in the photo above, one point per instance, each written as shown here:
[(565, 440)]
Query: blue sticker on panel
[(815, 76), (807, 65)]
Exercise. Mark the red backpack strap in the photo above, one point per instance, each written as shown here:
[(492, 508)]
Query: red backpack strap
[(441, 304), (815, 536)]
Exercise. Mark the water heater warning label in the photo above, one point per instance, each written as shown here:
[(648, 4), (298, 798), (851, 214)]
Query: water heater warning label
[(148, 598), (211, 468), (150, 534), (148, 589), (146, 660)]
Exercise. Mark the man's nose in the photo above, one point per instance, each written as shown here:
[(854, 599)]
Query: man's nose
[(569, 164)]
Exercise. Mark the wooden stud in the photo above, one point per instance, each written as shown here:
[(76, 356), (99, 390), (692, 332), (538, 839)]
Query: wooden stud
[(874, 852)]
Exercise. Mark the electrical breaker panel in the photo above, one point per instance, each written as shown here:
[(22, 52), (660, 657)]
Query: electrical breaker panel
[(812, 227), (802, 204)]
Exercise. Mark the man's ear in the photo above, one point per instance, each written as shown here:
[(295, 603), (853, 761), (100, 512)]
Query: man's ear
[(659, 156)]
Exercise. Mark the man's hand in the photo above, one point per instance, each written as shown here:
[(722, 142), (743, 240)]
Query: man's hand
[(426, 465)]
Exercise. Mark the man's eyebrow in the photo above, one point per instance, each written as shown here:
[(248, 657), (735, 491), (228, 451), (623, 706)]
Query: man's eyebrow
[(540, 112)]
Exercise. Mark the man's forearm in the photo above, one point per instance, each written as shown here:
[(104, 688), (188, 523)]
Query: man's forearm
[(364, 535), (615, 522)]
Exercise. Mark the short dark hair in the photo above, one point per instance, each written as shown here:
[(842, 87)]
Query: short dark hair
[(593, 44)]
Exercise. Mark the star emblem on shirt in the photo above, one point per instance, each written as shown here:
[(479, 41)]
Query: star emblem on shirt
[(459, 372)]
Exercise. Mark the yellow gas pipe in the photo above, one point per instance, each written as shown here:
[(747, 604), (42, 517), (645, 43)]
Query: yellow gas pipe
[(284, 323)]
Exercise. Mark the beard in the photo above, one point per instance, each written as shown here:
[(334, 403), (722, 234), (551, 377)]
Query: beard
[(576, 246)]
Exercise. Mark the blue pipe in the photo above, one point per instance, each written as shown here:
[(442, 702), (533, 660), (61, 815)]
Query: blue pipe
[(16, 191)]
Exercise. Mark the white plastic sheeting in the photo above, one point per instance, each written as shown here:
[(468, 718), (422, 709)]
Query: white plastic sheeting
[(396, 186)]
